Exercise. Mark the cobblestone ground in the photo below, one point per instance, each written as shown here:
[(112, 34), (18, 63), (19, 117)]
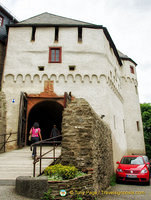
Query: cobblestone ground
[(127, 191)]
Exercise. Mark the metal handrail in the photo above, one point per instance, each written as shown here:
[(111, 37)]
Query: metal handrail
[(5, 141), (41, 156)]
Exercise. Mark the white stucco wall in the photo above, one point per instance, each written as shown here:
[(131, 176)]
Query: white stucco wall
[(97, 78), (135, 137)]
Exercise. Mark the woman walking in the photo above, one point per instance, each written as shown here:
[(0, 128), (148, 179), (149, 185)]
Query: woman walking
[(35, 133)]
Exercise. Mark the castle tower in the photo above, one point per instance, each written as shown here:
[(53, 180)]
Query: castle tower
[(48, 55)]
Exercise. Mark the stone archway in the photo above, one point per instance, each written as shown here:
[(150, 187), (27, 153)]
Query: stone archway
[(46, 113), (45, 108)]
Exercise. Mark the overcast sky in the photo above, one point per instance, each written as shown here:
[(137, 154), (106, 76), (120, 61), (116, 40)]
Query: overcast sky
[(128, 22)]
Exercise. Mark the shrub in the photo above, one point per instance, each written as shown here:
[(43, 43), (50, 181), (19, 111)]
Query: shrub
[(48, 195), (66, 172)]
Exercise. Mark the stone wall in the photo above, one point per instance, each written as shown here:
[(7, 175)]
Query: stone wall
[(81, 186), (87, 142), (34, 187), (2, 117)]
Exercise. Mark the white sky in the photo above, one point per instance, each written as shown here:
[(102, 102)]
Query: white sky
[(128, 22)]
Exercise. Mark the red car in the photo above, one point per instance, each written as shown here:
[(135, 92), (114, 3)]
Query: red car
[(133, 168)]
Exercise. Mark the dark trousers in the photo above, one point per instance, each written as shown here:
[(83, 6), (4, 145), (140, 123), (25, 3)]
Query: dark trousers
[(33, 140)]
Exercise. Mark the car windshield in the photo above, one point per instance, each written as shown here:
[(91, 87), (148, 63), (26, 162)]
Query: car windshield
[(145, 158), (132, 161)]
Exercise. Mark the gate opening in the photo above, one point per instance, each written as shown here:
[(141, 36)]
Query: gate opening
[(46, 113)]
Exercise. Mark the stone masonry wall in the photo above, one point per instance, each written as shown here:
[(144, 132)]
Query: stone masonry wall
[(2, 117), (87, 143), (78, 186)]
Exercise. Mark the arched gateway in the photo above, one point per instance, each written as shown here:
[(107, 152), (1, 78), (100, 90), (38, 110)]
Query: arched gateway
[(46, 113), (45, 108)]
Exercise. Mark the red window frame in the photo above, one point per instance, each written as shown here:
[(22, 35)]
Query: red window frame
[(53, 57), (1, 21), (132, 69)]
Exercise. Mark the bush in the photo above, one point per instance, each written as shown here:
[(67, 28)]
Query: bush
[(66, 172), (48, 195)]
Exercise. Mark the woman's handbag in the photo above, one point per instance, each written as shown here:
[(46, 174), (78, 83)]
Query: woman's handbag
[(29, 138)]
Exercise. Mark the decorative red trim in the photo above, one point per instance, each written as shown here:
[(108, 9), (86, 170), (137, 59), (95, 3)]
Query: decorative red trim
[(60, 54)]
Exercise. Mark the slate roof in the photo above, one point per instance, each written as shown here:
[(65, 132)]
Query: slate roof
[(47, 18), (122, 55), (7, 13), (125, 57)]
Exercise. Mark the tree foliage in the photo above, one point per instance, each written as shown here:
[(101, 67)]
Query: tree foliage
[(146, 117)]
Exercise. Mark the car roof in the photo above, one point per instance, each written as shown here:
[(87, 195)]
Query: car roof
[(133, 156)]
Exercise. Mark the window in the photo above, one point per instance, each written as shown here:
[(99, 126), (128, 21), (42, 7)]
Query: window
[(132, 69), (41, 68), (79, 34), (72, 67), (1, 21), (33, 33), (56, 34), (136, 90), (55, 54), (137, 124)]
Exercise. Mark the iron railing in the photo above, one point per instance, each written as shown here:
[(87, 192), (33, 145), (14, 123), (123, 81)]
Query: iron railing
[(6, 140), (38, 158)]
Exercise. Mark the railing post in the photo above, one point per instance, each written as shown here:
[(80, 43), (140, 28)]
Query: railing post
[(34, 168), (54, 150), (40, 158)]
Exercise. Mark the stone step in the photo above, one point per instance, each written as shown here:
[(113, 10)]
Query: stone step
[(20, 163)]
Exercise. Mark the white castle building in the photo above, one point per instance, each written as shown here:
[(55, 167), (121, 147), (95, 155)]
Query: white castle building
[(48, 55)]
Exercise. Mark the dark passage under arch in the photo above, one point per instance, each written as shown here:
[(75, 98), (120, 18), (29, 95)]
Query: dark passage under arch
[(46, 113)]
